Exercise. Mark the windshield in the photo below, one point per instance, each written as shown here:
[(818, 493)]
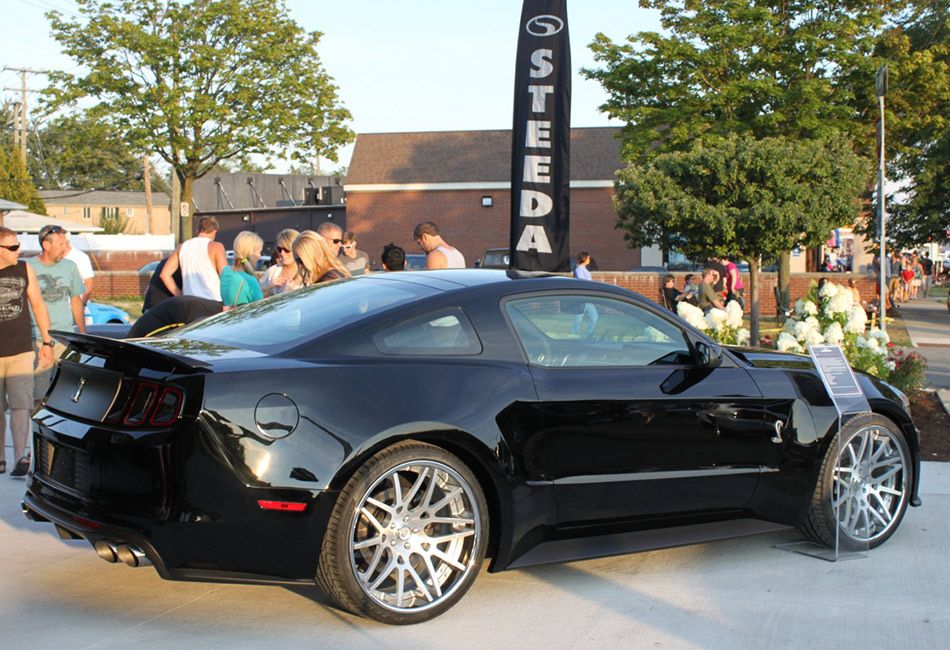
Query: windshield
[(292, 318)]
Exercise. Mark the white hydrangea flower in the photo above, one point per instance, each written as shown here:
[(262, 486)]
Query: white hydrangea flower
[(743, 336), (789, 326), (788, 343), (804, 307), (840, 303), (692, 315), (880, 335), (861, 342), (873, 344), (857, 321), (802, 328), (814, 337), (734, 311), (891, 365), (830, 290), (834, 334), (717, 318), (813, 323)]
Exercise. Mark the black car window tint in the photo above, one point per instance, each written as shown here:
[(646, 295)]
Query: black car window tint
[(583, 330), (447, 331), (289, 319)]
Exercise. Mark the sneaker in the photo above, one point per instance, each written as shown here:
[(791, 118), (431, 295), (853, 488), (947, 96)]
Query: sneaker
[(22, 467)]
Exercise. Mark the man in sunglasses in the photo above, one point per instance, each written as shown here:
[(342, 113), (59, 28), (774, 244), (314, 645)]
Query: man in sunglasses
[(19, 286), (333, 234), (62, 289)]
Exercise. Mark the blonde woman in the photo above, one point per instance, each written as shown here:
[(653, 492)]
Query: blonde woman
[(316, 260), (239, 285), (282, 276)]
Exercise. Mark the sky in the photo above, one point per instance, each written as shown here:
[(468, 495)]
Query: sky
[(421, 65)]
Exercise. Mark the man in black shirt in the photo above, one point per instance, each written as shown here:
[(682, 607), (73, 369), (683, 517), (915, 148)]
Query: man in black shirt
[(157, 291), (927, 265), (173, 313)]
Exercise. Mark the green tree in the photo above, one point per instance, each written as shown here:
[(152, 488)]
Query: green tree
[(203, 82), (81, 152), (754, 197), (15, 183), (917, 122), (771, 68)]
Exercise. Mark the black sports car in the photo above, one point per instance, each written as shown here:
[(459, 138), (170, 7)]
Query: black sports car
[(382, 435)]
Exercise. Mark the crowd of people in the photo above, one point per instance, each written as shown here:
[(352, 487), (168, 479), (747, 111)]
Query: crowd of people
[(196, 281), (50, 291), (718, 284)]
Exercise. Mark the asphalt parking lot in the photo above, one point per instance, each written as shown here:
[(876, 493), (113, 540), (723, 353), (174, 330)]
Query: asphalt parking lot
[(740, 593)]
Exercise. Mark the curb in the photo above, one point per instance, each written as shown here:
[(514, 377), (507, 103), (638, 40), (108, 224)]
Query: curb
[(944, 395)]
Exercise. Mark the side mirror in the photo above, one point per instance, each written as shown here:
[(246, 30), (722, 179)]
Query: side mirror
[(709, 355)]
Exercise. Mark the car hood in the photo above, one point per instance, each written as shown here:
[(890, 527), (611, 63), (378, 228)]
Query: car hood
[(762, 358)]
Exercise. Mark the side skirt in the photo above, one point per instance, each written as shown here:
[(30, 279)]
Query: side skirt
[(585, 548)]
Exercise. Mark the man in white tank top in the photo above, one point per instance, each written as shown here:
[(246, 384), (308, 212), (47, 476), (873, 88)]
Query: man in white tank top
[(201, 260), (439, 255)]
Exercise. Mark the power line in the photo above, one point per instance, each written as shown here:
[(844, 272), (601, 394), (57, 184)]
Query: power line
[(20, 134)]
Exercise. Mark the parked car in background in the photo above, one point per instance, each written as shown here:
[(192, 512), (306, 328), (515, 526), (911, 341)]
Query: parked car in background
[(262, 263), (382, 435), (494, 258), (415, 261), (98, 313), (149, 269)]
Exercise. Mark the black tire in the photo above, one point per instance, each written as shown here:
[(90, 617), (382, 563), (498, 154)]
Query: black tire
[(875, 474), (406, 537)]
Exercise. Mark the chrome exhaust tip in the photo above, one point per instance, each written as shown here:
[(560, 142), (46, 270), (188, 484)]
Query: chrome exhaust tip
[(132, 555), (107, 551)]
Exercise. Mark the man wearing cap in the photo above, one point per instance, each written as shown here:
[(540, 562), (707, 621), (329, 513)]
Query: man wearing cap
[(62, 290), (18, 286)]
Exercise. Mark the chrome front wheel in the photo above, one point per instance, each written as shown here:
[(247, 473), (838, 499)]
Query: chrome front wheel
[(870, 483), (864, 485)]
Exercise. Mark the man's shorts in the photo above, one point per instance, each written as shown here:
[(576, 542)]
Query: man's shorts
[(16, 381)]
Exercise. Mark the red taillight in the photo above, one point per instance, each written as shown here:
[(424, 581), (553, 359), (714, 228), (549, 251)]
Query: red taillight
[(285, 506), (146, 403)]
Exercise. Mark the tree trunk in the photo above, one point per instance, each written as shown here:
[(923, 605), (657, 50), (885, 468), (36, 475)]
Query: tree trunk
[(754, 263), (784, 280), (187, 183)]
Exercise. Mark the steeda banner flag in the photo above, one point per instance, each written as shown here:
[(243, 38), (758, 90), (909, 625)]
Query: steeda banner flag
[(541, 145)]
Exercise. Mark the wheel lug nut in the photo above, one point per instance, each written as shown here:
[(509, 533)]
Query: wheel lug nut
[(406, 545), (415, 530), (406, 518)]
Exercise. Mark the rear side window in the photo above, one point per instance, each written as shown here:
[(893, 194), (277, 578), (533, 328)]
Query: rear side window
[(292, 318), (447, 331)]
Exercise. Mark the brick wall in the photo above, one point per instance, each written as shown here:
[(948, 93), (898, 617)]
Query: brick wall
[(378, 218), (122, 260), (649, 285), (115, 284)]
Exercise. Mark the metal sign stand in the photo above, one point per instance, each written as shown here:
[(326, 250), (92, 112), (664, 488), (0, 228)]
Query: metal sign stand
[(849, 401)]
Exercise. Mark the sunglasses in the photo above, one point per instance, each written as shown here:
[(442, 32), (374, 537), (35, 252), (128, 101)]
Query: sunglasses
[(11, 247), (337, 241), (281, 249), (54, 230)]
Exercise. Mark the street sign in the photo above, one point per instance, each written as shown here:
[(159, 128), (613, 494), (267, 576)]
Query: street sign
[(185, 209), (880, 81)]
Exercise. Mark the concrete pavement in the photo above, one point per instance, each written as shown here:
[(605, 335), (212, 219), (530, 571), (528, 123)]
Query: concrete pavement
[(740, 593), (928, 324)]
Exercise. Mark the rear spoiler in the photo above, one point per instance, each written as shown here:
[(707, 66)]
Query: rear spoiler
[(103, 346)]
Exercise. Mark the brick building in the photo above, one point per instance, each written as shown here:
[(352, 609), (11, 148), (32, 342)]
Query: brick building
[(90, 207), (461, 181)]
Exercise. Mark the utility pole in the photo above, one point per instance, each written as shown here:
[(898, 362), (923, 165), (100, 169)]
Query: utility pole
[(880, 83), (23, 90)]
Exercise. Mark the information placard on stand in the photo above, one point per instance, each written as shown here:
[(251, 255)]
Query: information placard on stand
[(849, 401)]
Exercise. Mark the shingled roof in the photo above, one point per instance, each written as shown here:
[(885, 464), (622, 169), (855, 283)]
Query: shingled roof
[(470, 156)]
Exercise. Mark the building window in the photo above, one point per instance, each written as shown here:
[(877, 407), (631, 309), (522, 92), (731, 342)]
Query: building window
[(130, 212), (109, 213), (87, 213)]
